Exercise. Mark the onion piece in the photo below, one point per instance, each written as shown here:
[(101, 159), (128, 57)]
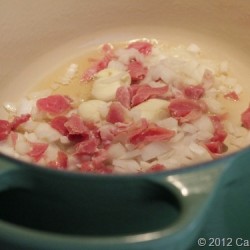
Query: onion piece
[(10, 107), (131, 166), (153, 150)]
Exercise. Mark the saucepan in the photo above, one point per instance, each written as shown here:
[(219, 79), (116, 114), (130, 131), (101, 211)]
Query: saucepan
[(43, 208)]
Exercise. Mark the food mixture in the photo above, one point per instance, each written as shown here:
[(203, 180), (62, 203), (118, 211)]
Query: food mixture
[(150, 108)]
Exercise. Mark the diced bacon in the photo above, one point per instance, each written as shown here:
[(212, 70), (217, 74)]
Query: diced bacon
[(194, 92), (107, 48), (116, 113), (54, 104), (86, 167), (99, 162), (137, 71), (133, 89), (190, 117), (5, 128), (219, 133), (62, 159), (143, 47), (232, 95), (145, 92), (120, 131), (215, 144), (150, 134), (76, 137), (156, 168), (80, 130), (185, 108), (87, 146), (18, 120), (106, 133), (37, 151), (60, 162), (76, 126), (103, 169), (123, 96), (89, 167), (13, 137), (58, 124), (100, 157), (135, 128), (245, 118), (100, 65), (215, 147)]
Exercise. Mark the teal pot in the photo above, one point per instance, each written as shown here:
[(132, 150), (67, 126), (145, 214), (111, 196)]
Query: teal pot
[(47, 209)]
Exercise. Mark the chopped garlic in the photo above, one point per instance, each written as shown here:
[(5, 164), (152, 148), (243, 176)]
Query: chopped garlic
[(107, 82), (152, 110), (92, 110)]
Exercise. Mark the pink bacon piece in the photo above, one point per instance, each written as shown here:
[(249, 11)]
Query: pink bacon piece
[(88, 146), (75, 125), (18, 120), (156, 168), (123, 96), (186, 110), (232, 96), (54, 104), (150, 133), (215, 144), (61, 162), (58, 124), (37, 151), (245, 118), (143, 47), (5, 128), (143, 92), (194, 92), (99, 65), (137, 71), (116, 113)]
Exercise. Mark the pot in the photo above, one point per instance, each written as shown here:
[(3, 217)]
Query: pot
[(48, 209)]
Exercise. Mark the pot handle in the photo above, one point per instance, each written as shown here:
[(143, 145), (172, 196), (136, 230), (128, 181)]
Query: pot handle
[(195, 191), (13, 175)]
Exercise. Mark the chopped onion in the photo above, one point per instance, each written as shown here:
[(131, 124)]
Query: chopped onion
[(51, 153), (116, 151), (168, 123), (197, 149), (131, 154), (189, 128), (130, 165), (45, 132), (214, 105), (69, 75), (31, 137), (22, 147), (10, 107), (24, 107), (204, 123), (153, 150)]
